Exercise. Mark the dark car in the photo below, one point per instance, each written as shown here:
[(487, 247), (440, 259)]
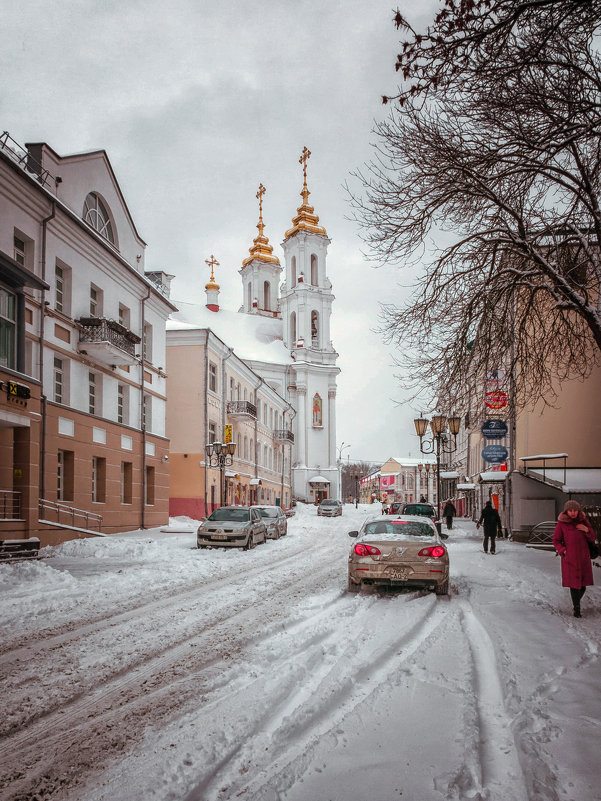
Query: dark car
[(232, 526), (275, 520), (425, 509)]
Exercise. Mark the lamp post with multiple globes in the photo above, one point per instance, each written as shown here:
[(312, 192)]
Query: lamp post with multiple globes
[(439, 442), (221, 455)]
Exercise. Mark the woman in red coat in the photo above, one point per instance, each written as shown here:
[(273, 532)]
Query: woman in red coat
[(570, 537)]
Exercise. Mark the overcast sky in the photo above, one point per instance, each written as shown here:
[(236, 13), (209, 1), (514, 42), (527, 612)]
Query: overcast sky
[(196, 103)]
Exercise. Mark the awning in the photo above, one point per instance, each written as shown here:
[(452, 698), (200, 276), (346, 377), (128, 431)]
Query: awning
[(494, 476), (318, 480), (254, 482), (229, 474), (449, 474), (466, 486)]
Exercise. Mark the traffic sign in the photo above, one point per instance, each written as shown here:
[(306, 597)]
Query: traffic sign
[(494, 429), (495, 400)]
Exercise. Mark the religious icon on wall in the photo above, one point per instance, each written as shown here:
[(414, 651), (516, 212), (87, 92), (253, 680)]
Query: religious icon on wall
[(317, 411)]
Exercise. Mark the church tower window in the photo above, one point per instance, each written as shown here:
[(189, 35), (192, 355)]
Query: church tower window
[(293, 330), (314, 329), (314, 274), (249, 292), (267, 295), (293, 271)]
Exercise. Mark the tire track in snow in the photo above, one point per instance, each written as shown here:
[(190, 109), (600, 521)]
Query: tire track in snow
[(500, 772), (315, 704)]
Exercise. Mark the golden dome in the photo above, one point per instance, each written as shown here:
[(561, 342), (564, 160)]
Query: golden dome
[(261, 250), (306, 219)]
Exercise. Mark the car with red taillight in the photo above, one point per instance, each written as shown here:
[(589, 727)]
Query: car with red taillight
[(403, 551)]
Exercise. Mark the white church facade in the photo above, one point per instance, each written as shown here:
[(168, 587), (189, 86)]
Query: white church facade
[(282, 335)]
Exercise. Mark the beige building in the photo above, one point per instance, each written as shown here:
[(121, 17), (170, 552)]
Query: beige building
[(82, 438)]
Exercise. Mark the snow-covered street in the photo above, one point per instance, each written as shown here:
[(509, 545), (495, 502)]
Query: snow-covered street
[(138, 667)]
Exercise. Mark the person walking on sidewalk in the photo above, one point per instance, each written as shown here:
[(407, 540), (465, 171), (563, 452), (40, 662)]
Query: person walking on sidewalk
[(572, 534), (449, 512), (492, 524)]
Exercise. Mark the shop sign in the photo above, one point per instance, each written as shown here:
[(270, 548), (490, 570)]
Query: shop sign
[(495, 454), (228, 434), (494, 429), (16, 390), (495, 400)]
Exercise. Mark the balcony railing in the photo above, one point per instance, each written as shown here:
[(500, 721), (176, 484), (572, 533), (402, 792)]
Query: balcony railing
[(57, 512), (10, 505), (283, 435), (107, 341), (241, 409)]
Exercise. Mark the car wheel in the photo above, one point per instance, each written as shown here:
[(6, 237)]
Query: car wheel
[(251, 543), (442, 589), (352, 587)]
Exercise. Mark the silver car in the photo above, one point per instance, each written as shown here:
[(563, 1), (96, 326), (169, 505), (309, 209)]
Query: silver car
[(232, 526), (399, 551), (329, 507), (275, 520)]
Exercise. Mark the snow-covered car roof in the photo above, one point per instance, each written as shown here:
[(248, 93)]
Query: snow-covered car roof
[(394, 527)]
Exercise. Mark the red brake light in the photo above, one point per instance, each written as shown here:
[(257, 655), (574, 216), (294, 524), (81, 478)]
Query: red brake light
[(435, 551), (362, 549)]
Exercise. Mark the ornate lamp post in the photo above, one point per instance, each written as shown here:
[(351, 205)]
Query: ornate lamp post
[(221, 455), (439, 442)]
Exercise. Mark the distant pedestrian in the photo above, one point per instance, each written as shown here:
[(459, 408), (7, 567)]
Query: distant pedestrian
[(492, 526), (423, 499), (572, 534), (449, 512)]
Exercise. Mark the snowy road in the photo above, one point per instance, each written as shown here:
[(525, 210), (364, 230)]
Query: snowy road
[(138, 667)]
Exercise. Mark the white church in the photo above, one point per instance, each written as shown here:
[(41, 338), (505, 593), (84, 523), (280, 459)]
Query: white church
[(281, 337)]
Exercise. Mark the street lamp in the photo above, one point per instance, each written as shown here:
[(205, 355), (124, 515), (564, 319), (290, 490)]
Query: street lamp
[(439, 442), (221, 455), (356, 491)]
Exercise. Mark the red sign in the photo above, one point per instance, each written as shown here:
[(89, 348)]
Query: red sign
[(495, 400)]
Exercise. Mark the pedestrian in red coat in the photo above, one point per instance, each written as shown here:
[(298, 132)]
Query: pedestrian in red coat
[(570, 537)]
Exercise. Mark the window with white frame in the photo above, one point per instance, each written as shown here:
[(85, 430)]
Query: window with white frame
[(147, 342), (19, 249), (147, 412), (232, 389), (96, 301), (96, 214), (8, 328), (212, 432), (212, 377), (123, 404), (60, 380), (124, 316), (94, 393)]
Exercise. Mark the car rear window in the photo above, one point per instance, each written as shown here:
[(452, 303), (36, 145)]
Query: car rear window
[(328, 503), (394, 529), (236, 515), (418, 509)]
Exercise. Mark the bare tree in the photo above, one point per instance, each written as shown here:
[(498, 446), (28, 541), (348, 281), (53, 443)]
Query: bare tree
[(502, 158)]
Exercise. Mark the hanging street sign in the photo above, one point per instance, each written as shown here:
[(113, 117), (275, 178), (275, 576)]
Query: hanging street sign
[(495, 400), (494, 429), (495, 454)]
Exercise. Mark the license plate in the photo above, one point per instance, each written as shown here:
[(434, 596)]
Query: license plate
[(219, 537), (399, 573)]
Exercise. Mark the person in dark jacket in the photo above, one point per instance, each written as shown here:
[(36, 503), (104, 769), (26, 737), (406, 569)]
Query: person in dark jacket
[(570, 537), (449, 512), (492, 524)]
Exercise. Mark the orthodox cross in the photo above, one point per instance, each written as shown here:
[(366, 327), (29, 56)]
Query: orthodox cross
[(260, 194), (212, 262), (305, 156)]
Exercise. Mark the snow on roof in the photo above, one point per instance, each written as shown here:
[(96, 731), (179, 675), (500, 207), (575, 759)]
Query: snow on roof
[(412, 461), (544, 456), (577, 479), (449, 474), (466, 486), (494, 475), (251, 335)]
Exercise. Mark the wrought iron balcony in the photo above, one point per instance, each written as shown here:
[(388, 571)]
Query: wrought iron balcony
[(283, 435), (107, 341), (241, 409)]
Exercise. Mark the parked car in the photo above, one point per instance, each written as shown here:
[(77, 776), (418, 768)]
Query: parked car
[(232, 526), (275, 520), (329, 507), (399, 551), (395, 508)]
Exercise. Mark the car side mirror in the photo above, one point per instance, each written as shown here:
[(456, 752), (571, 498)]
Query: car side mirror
[(353, 533)]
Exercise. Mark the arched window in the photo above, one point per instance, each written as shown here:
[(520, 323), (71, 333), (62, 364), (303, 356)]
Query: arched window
[(267, 295), (314, 276), (293, 271), (249, 293), (246, 447), (314, 329), (251, 452), (96, 214), (238, 391), (265, 456), (293, 330)]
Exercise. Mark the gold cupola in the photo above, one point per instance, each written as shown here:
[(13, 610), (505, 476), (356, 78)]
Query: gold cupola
[(261, 250), (306, 219)]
